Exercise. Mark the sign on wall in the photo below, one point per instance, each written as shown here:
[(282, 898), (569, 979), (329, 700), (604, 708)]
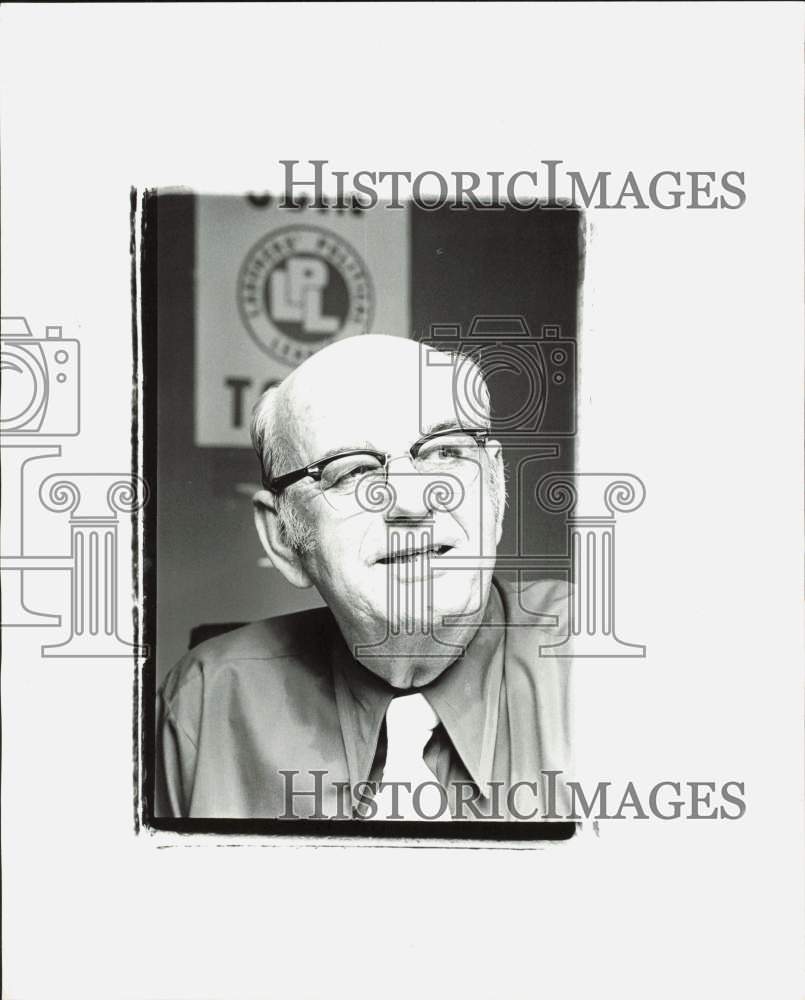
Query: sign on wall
[(273, 286)]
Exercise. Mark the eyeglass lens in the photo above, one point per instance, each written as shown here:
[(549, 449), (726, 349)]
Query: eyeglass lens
[(456, 454)]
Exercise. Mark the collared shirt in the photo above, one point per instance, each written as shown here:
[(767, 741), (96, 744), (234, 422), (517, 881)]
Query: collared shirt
[(254, 721)]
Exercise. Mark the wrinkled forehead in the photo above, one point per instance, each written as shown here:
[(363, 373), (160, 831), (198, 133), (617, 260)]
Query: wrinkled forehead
[(386, 402)]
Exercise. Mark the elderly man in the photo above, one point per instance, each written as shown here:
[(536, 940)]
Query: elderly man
[(419, 691)]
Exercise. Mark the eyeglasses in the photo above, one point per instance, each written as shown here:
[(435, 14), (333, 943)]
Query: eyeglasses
[(454, 452)]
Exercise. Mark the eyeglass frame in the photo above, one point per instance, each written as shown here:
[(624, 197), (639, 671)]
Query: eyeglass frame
[(316, 469)]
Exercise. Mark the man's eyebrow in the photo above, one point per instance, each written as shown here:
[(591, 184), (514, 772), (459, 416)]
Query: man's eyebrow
[(442, 425), (364, 445)]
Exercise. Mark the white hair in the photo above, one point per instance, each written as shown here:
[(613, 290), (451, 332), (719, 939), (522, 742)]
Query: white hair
[(270, 420)]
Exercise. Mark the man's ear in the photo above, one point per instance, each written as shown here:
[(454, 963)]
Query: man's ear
[(495, 452), (282, 556)]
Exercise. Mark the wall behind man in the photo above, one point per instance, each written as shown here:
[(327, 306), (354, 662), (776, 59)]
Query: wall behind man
[(460, 269)]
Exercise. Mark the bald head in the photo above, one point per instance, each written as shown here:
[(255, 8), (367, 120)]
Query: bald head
[(344, 391), (346, 386), (369, 391), (347, 362)]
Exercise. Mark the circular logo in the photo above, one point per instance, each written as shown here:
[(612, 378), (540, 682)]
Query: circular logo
[(299, 289)]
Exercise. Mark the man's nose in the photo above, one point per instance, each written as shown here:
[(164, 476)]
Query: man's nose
[(408, 492)]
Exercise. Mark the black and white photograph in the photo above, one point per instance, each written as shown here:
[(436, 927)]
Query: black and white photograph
[(363, 417), (401, 441)]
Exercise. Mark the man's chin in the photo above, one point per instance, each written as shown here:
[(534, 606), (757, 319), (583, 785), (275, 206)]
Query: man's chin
[(406, 672), (408, 642), (450, 592), (459, 594)]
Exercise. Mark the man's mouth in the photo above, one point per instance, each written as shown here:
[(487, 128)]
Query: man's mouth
[(410, 555)]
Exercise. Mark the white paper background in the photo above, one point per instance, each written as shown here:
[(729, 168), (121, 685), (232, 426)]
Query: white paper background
[(691, 378)]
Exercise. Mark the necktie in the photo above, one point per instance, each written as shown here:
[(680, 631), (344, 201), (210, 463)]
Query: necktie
[(409, 723)]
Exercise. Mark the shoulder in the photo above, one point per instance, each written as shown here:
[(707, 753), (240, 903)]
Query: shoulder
[(269, 648)]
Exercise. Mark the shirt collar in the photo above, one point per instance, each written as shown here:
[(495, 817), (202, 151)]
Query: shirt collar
[(465, 697)]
